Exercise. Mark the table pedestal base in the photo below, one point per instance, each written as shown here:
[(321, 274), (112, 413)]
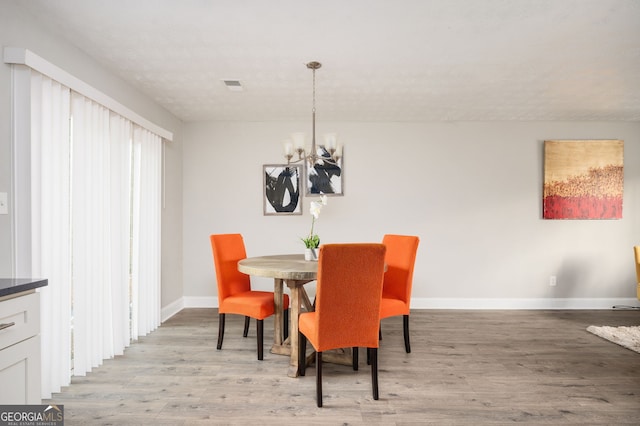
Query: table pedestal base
[(299, 300), (343, 356)]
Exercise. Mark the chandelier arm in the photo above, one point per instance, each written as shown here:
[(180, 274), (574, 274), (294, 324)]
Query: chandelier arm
[(314, 159)]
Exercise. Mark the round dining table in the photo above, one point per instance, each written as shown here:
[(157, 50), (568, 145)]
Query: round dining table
[(293, 271)]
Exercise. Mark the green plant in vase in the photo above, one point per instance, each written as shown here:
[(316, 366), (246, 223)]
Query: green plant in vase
[(312, 241)]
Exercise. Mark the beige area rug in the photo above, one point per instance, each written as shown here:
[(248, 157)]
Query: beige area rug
[(629, 337)]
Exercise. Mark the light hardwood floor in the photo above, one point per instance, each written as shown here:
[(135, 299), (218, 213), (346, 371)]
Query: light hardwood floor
[(466, 368)]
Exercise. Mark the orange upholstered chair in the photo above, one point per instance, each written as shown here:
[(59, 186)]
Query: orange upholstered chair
[(234, 288), (396, 291), (636, 251), (348, 292)]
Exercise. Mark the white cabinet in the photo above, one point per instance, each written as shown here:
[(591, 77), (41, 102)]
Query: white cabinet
[(20, 348)]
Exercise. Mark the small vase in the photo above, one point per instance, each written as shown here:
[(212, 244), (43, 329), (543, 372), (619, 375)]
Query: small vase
[(311, 254)]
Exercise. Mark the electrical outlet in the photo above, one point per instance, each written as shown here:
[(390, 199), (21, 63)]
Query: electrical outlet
[(552, 281), (4, 208)]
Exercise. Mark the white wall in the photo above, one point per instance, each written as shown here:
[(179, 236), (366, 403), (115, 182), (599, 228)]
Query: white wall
[(18, 29), (471, 191)]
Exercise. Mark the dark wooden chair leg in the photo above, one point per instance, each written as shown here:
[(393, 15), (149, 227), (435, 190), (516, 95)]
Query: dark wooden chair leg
[(405, 323), (220, 330), (260, 327), (319, 378), (354, 360), (380, 331), (246, 326), (374, 371), (302, 356), (285, 325)]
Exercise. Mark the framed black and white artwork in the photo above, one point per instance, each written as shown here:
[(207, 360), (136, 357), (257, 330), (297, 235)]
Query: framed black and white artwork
[(281, 194), (325, 177)]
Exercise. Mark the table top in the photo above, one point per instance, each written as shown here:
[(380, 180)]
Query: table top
[(9, 286), (283, 266)]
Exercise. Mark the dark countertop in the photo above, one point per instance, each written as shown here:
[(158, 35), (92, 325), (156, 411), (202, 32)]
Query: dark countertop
[(9, 286)]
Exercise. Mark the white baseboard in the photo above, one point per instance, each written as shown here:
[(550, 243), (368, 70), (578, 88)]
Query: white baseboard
[(171, 309), (187, 302), (447, 303), (533, 303)]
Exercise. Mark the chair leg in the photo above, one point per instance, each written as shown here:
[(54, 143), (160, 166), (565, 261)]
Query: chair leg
[(374, 371), (380, 331), (354, 360), (302, 356), (319, 378), (285, 325), (260, 327), (220, 330), (405, 323), (246, 326)]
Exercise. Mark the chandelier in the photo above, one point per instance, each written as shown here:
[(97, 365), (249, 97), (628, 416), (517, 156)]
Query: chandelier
[(329, 153)]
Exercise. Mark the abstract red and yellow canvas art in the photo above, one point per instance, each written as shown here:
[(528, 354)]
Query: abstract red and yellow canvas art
[(583, 179)]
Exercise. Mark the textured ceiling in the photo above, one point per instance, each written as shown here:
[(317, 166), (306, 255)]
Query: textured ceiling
[(401, 60)]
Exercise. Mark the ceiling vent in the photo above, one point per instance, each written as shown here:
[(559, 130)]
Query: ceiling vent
[(233, 85)]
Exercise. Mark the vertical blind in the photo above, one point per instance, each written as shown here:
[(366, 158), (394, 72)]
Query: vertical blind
[(96, 185), (146, 249), (51, 232)]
